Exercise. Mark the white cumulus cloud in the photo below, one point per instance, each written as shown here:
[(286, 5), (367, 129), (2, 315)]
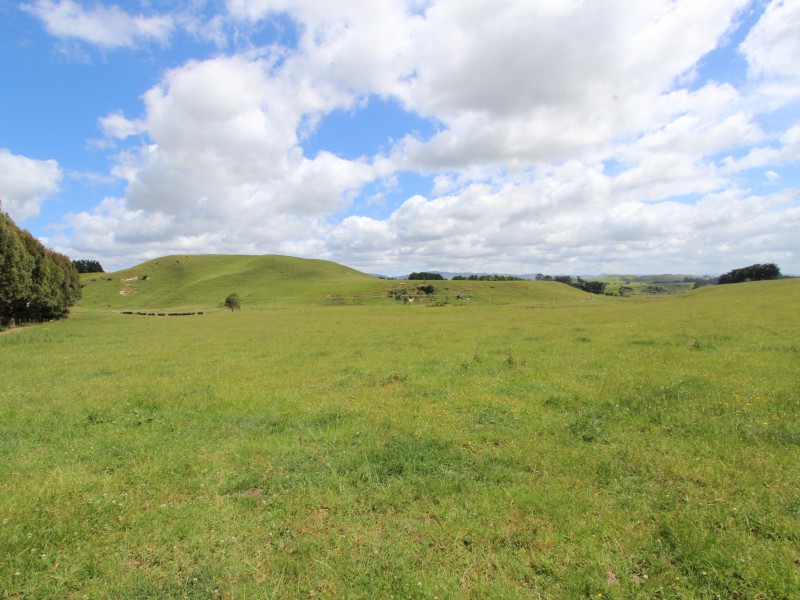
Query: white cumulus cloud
[(567, 136), (25, 183), (773, 45), (105, 26)]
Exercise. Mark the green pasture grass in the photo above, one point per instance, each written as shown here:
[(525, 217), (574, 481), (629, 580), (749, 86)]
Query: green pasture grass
[(612, 448)]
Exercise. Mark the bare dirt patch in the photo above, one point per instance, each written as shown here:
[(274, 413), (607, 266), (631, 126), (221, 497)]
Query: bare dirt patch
[(13, 329)]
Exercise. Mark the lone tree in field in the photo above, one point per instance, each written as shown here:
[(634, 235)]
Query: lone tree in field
[(232, 302)]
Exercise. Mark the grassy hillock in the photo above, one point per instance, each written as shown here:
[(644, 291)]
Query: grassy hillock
[(202, 282), (752, 293)]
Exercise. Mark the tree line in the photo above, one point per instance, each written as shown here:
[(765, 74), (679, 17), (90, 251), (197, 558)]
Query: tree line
[(88, 266), (487, 278), (36, 283), (758, 272)]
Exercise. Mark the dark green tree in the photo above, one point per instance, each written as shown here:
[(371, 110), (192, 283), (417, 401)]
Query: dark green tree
[(424, 276), (232, 302), (15, 271), (592, 287)]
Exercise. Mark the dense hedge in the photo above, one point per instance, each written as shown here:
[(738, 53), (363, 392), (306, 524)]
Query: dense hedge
[(36, 284)]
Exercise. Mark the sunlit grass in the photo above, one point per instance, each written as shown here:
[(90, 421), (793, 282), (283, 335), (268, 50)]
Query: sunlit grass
[(615, 447)]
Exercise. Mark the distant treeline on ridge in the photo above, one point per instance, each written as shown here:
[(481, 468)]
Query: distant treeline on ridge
[(487, 278), (88, 266), (36, 284), (752, 273)]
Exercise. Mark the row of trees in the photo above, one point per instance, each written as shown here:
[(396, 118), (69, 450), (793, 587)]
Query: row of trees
[(487, 278), (757, 272), (88, 266), (36, 284), (592, 287)]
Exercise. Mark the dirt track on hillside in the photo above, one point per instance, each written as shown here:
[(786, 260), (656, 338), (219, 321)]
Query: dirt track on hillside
[(12, 330)]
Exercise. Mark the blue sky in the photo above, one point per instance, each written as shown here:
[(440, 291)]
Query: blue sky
[(636, 136)]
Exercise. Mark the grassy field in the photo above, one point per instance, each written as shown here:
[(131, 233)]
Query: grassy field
[(577, 448)]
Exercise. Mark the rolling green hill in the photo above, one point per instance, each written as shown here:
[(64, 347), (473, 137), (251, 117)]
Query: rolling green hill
[(203, 281), (772, 296)]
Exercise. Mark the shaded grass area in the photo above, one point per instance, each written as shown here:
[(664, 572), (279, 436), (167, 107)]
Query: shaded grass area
[(624, 449)]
